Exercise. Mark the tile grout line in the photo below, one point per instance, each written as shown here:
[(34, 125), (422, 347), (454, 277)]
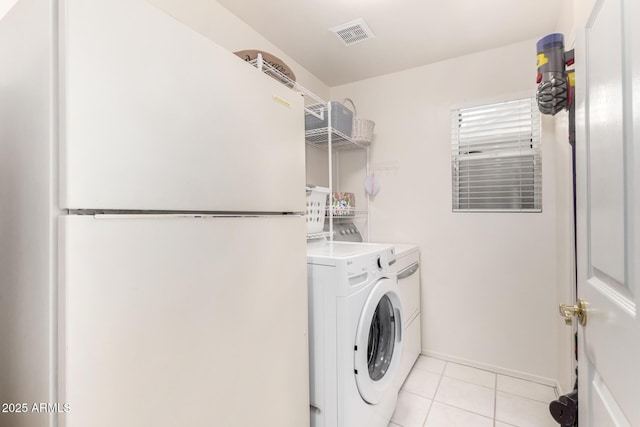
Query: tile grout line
[(523, 397), (468, 411), (495, 401), (434, 394), (470, 382), (515, 377)]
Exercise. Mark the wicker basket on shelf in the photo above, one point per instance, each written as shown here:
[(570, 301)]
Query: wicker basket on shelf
[(362, 129)]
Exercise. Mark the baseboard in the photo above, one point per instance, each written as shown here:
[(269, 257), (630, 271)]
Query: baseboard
[(498, 369)]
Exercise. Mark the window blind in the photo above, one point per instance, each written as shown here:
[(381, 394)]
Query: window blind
[(496, 161)]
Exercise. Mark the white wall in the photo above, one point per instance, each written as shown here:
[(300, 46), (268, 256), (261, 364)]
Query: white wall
[(489, 280)]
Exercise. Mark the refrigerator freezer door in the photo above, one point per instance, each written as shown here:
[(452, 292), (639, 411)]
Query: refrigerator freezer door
[(175, 321), (155, 116)]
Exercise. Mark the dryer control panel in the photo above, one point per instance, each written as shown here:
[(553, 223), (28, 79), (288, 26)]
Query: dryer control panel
[(345, 232)]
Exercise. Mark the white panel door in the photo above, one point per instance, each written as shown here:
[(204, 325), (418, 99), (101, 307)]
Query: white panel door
[(157, 117), (173, 321), (608, 164)]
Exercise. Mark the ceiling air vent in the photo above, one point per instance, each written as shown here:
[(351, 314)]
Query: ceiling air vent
[(353, 32)]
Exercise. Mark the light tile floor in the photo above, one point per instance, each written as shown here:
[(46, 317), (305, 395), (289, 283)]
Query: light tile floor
[(445, 394)]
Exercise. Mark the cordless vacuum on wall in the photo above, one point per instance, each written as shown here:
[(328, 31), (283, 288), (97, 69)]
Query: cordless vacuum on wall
[(556, 92), (556, 84)]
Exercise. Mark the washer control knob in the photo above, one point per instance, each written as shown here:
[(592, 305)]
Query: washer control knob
[(386, 259)]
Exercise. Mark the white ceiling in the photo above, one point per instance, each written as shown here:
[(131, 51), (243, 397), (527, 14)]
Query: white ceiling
[(409, 33)]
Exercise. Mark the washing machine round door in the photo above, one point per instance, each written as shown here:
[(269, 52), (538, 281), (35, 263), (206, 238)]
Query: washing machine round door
[(378, 345)]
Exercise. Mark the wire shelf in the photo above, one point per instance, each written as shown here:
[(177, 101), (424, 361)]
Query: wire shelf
[(318, 236), (313, 104), (339, 141), (351, 214)]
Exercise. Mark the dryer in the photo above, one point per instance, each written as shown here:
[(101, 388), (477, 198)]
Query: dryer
[(355, 327)]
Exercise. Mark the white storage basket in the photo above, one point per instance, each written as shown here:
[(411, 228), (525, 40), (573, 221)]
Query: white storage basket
[(316, 208), (361, 129)]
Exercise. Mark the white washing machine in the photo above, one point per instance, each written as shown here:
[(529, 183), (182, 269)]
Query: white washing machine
[(355, 334)]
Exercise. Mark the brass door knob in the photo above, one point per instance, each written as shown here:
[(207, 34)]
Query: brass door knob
[(568, 312)]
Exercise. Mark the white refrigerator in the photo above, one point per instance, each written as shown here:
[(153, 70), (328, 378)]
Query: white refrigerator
[(153, 237)]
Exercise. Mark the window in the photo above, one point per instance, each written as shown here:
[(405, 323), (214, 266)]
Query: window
[(496, 163)]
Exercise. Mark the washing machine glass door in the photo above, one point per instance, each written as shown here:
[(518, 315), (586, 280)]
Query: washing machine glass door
[(382, 337), (378, 344)]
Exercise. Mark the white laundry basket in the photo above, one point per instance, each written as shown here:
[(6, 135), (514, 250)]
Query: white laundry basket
[(316, 208)]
